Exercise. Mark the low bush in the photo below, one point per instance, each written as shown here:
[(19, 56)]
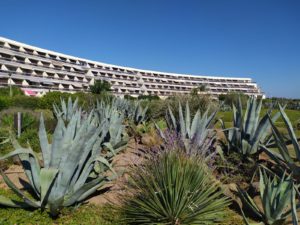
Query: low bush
[(173, 189), (25, 102)]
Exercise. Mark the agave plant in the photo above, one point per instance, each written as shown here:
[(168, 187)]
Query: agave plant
[(195, 133), (132, 110), (173, 189), (66, 110), (73, 166), (278, 198), (248, 131), (287, 158), (116, 137)]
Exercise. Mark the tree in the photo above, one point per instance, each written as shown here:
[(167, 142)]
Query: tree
[(100, 87)]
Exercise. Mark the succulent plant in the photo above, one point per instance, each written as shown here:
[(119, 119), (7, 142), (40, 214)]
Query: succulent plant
[(65, 110), (287, 159), (73, 166), (195, 133), (108, 116), (278, 198), (248, 131), (172, 188), (132, 110)]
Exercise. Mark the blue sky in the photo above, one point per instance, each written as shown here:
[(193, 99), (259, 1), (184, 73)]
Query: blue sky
[(248, 38)]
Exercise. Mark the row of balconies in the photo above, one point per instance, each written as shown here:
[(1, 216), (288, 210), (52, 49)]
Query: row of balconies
[(116, 76), (37, 67), (41, 79), (112, 68), (28, 84), (34, 72)]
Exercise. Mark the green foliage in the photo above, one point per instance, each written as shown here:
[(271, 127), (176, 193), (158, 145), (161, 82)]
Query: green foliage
[(286, 159), (50, 98), (173, 189), (233, 98), (11, 91), (73, 167), (129, 97), (148, 97), (5, 102), (248, 131), (30, 138), (100, 86), (26, 102), (278, 198), (195, 133)]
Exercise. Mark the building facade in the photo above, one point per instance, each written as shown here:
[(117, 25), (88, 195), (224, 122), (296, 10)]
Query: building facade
[(38, 71)]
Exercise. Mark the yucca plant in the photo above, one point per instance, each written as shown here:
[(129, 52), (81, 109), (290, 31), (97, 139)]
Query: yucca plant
[(278, 198), (174, 189), (66, 110), (248, 131), (73, 166), (196, 133), (286, 158)]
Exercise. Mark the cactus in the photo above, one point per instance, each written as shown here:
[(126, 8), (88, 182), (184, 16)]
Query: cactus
[(248, 132), (278, 197), (73, 165)]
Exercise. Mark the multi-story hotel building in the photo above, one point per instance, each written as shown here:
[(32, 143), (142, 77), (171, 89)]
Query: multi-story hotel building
[(38, 71)]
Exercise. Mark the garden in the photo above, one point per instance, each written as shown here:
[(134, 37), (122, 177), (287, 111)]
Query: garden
[(189, 159)]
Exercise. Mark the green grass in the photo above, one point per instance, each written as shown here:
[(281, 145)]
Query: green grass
[(294, 116), (85, 214)]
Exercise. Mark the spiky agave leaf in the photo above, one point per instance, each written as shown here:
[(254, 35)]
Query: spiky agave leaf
[(66, 110), (69, 162), (277, 196), (195, 132), (248, 131), (286, 158)]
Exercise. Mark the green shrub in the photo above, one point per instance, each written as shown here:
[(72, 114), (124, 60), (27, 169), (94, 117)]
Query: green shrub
[(30, 138), (50, 98), (148, 97), (14, 91), (173, 189), (5, 102), (25, 102)]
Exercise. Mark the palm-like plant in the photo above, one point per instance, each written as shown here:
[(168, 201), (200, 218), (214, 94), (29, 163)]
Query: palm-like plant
[(195, 133), (173, 189), (287, 158), (278, 200), (73, 165), (248, 131)]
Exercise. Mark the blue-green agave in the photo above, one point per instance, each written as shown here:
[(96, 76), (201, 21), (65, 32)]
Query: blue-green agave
[(287, 159), (66, 110), (196, 132), (248, 131), (73, 166), (278, 198)]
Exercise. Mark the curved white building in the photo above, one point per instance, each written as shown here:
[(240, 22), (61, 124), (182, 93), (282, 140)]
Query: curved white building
[(38, 71)]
